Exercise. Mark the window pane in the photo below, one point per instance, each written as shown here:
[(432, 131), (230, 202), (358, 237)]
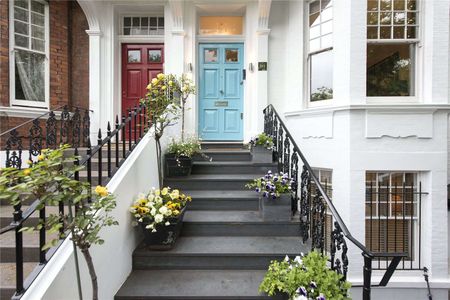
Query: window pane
[(314, 7), (210, 55), (37, 32), (411, 32), (154, 21), (231, 55), (399, 32), (321, 76), (372, 32), (37, 7), (21, 27), (21, 41), (37, 19), (399, 18), (21, 3), (161, 22), (389, 70), (126, 31), (372, 5), (134, 56), (30, 76), (386, 18), (411, 5), (372, 18), (221, 25), (136, 22), (385, 32), (399, 4), (385, 4), (411, 20), (154, 56), (144, 22), (127, 21), (20, 14), (37, 45)]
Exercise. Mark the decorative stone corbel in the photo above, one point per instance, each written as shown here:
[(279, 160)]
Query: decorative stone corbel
[(263, 16), (177, 12)]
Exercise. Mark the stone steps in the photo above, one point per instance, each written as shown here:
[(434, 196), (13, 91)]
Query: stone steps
[(225, 246)]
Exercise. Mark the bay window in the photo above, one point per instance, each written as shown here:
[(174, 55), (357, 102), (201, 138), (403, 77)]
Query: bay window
[(392, 35), (29, 55), (320, 50)]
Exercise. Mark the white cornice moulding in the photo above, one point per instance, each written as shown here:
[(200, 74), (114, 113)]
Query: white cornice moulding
[(94, 32), (22, 112), (264, 13)]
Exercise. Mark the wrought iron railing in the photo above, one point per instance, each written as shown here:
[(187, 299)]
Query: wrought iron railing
[(320, 221), (117, 146)]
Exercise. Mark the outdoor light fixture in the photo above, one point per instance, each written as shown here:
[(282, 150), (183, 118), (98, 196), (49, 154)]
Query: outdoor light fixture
[(189, 67), (250, 67)]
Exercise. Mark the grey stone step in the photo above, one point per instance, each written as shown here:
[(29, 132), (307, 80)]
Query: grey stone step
[(231, 167), (222, 200), (225, 155), (236, 223), (227, 253), (222, 145), (211, 182), (8, 278), (192, 285), (30, 246)]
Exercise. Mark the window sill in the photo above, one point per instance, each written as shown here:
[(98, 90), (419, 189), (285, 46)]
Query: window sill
[(393, 100), (22, 112), (320, 103)]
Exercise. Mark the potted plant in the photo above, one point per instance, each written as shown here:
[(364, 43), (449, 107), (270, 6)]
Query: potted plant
[(261, 147), (303, 278), (179, 156), (160, 214), (275, 196)]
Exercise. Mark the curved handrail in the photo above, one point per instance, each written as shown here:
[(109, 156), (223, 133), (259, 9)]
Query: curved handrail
[(330, 204)]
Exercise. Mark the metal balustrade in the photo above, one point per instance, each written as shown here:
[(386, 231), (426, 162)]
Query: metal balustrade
[(70, 127), (320, 221)]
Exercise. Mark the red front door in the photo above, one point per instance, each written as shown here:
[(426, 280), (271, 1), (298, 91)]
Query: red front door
[(140, 63)]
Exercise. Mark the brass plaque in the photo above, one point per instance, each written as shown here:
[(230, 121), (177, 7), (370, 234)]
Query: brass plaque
[(221, 103)]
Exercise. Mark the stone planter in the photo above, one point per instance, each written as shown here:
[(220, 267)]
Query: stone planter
[(261, 154), (278, 209), (165, 236), (180, 166)]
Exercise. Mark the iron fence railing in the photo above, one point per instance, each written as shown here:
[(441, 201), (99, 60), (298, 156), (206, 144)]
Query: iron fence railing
[(117, 145), (320, 221)]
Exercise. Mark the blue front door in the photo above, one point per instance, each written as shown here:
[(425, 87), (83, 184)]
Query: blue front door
[(221, 92)]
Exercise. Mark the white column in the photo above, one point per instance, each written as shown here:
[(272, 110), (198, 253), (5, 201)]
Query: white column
[(94, 82)]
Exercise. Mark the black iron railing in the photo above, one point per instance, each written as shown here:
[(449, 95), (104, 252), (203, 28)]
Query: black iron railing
[(117, 146), (320, 221)]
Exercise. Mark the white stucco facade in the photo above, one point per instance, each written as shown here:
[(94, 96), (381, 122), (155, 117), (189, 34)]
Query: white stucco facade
[(350, 134)]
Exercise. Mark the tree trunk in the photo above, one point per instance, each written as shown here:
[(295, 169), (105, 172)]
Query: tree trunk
[(90, 264), (182, 121), (158, 157)]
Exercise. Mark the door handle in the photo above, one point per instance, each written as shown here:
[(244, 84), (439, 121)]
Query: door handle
[(221, 91)]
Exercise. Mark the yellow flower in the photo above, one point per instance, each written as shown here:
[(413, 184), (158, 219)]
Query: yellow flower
[(170, 82), (154, 81), (189, 198), (160, 76), (164, 191), (163, 87), (41, 157), (149, 86), (176, 212), (142, 201), (157, 192), (29, 162), (26, 172), (101, 191)]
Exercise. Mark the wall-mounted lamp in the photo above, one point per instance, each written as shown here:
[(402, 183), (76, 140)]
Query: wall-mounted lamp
[(250, 67), (190, 67)]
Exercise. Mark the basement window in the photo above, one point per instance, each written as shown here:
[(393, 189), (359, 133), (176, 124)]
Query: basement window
[(143, 26)]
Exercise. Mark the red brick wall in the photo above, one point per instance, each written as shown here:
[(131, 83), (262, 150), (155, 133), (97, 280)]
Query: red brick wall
[(4, 53), (69, 58), (79, 57)]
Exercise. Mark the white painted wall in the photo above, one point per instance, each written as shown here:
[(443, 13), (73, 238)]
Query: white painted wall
[(112, 260)]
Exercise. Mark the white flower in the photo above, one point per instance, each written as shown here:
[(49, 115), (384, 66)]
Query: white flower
[(167, 223), (132, 210), (163, 210), (159, 218), (140, 220), (153, 211), (301, 297), (141, 196), (286, 258), (154, 230), (158, 199), (297, 259)]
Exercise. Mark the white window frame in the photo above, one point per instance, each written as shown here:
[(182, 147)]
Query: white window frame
[(415, 60), (308, 55), (141, 15), (12, 50)]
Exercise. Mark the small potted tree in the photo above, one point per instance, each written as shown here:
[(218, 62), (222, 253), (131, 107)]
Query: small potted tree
[(160, 214), (303, 278), (262, 148), (275, 196), (178, 159)]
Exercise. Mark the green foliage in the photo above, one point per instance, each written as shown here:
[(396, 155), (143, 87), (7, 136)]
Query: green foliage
[(323, 93), (262, 139), (310, 272), (188, 147), (51, 181)]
